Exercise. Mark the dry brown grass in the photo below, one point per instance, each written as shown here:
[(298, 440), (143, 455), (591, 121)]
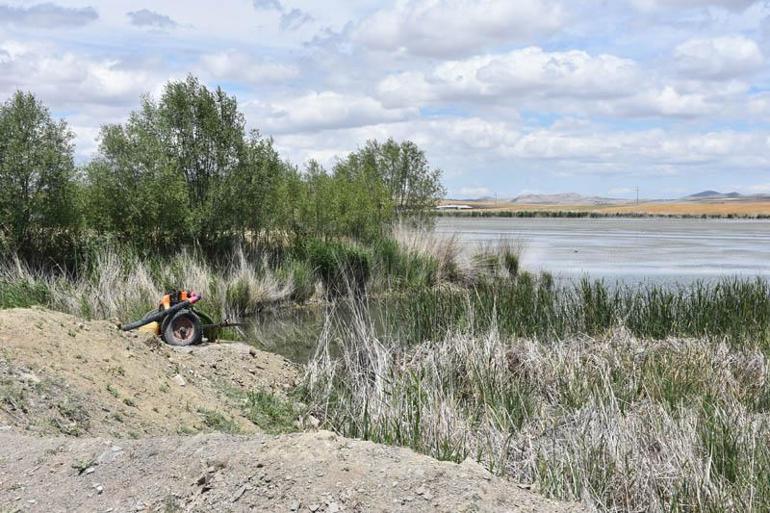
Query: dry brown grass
[(693, 208), (723, 208), (621, 423)]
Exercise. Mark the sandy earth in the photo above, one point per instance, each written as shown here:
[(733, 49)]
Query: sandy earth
[(299, 472), (88, 378), (92, 419)]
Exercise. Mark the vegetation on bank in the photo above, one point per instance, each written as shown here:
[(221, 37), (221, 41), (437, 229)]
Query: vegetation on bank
[(732, 309), (184, 171), (617, 422)]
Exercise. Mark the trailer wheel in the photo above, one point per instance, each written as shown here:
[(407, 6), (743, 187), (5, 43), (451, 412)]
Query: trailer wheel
[(184, 329)]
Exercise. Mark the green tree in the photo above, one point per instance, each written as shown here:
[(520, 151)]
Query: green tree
[(362, 202), (414, 186), (36, 176), (134, 190), (183, 170)]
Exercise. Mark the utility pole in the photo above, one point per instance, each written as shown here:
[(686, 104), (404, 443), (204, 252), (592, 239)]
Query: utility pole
[(637, 194)]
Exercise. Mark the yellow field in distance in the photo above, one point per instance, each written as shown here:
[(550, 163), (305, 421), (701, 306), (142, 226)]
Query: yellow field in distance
[(693, 208)]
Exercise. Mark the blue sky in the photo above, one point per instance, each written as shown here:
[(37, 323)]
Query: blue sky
[(506, 97)]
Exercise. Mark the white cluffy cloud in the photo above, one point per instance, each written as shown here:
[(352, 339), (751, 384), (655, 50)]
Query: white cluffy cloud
[(233, 65), (732, 5), (151, 19), (719, 57), (47, 15), (325, 110), (66, 78), (529, 71), (445, 28)]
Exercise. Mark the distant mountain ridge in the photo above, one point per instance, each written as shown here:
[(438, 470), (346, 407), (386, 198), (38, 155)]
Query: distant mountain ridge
[(716, 195), (572, 198), (569, 198)]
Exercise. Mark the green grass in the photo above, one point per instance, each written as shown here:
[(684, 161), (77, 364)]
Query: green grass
[(217, 421), (534, 306), (22, 294), (270, 412)]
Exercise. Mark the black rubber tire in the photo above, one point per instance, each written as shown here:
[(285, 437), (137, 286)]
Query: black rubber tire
[(184, 329)]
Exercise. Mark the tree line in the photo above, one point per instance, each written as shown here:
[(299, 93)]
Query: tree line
[(184, 169)]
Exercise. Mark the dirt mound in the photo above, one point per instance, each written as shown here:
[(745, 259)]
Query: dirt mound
[(310, 472), (113, 393), (61, 375)]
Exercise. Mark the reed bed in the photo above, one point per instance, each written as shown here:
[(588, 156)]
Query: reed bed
[(536, 306), (123, 286), (618, 422)]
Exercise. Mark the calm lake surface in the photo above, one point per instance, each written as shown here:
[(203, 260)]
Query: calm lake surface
[(627, 250)]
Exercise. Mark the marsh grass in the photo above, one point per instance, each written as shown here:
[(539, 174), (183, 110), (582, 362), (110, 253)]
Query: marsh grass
[(536, 306), (498, 259), (121, 285), (19, 287), (618, 422)]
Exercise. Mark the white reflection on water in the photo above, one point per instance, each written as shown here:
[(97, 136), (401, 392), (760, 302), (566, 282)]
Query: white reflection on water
[(655, 250)]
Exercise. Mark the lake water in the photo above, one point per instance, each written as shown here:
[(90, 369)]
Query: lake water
[(628, 250)]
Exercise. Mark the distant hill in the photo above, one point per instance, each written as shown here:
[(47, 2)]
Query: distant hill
[(569, 198), (706, 194), (715, 195)]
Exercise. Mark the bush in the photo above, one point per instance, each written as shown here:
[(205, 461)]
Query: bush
[(301, 275), (22, 294), (342, 266), (397, 267)]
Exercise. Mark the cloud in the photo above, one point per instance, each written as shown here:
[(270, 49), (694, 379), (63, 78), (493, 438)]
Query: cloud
[(473, 192), (447, 28), (268, 4), (731, 5), (460, 146), (719, 57), (47, 15), (235, 65), (760, 188), (323, 111), (291, 19), (65, 78), (294, 19), (516, 74), (147, 18), (576, 82)]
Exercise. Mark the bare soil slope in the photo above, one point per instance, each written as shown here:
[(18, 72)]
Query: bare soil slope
[(309, 472), (92, 419), (60, 375)]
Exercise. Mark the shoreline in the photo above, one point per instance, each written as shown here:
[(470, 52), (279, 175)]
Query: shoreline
[(572, 214)]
